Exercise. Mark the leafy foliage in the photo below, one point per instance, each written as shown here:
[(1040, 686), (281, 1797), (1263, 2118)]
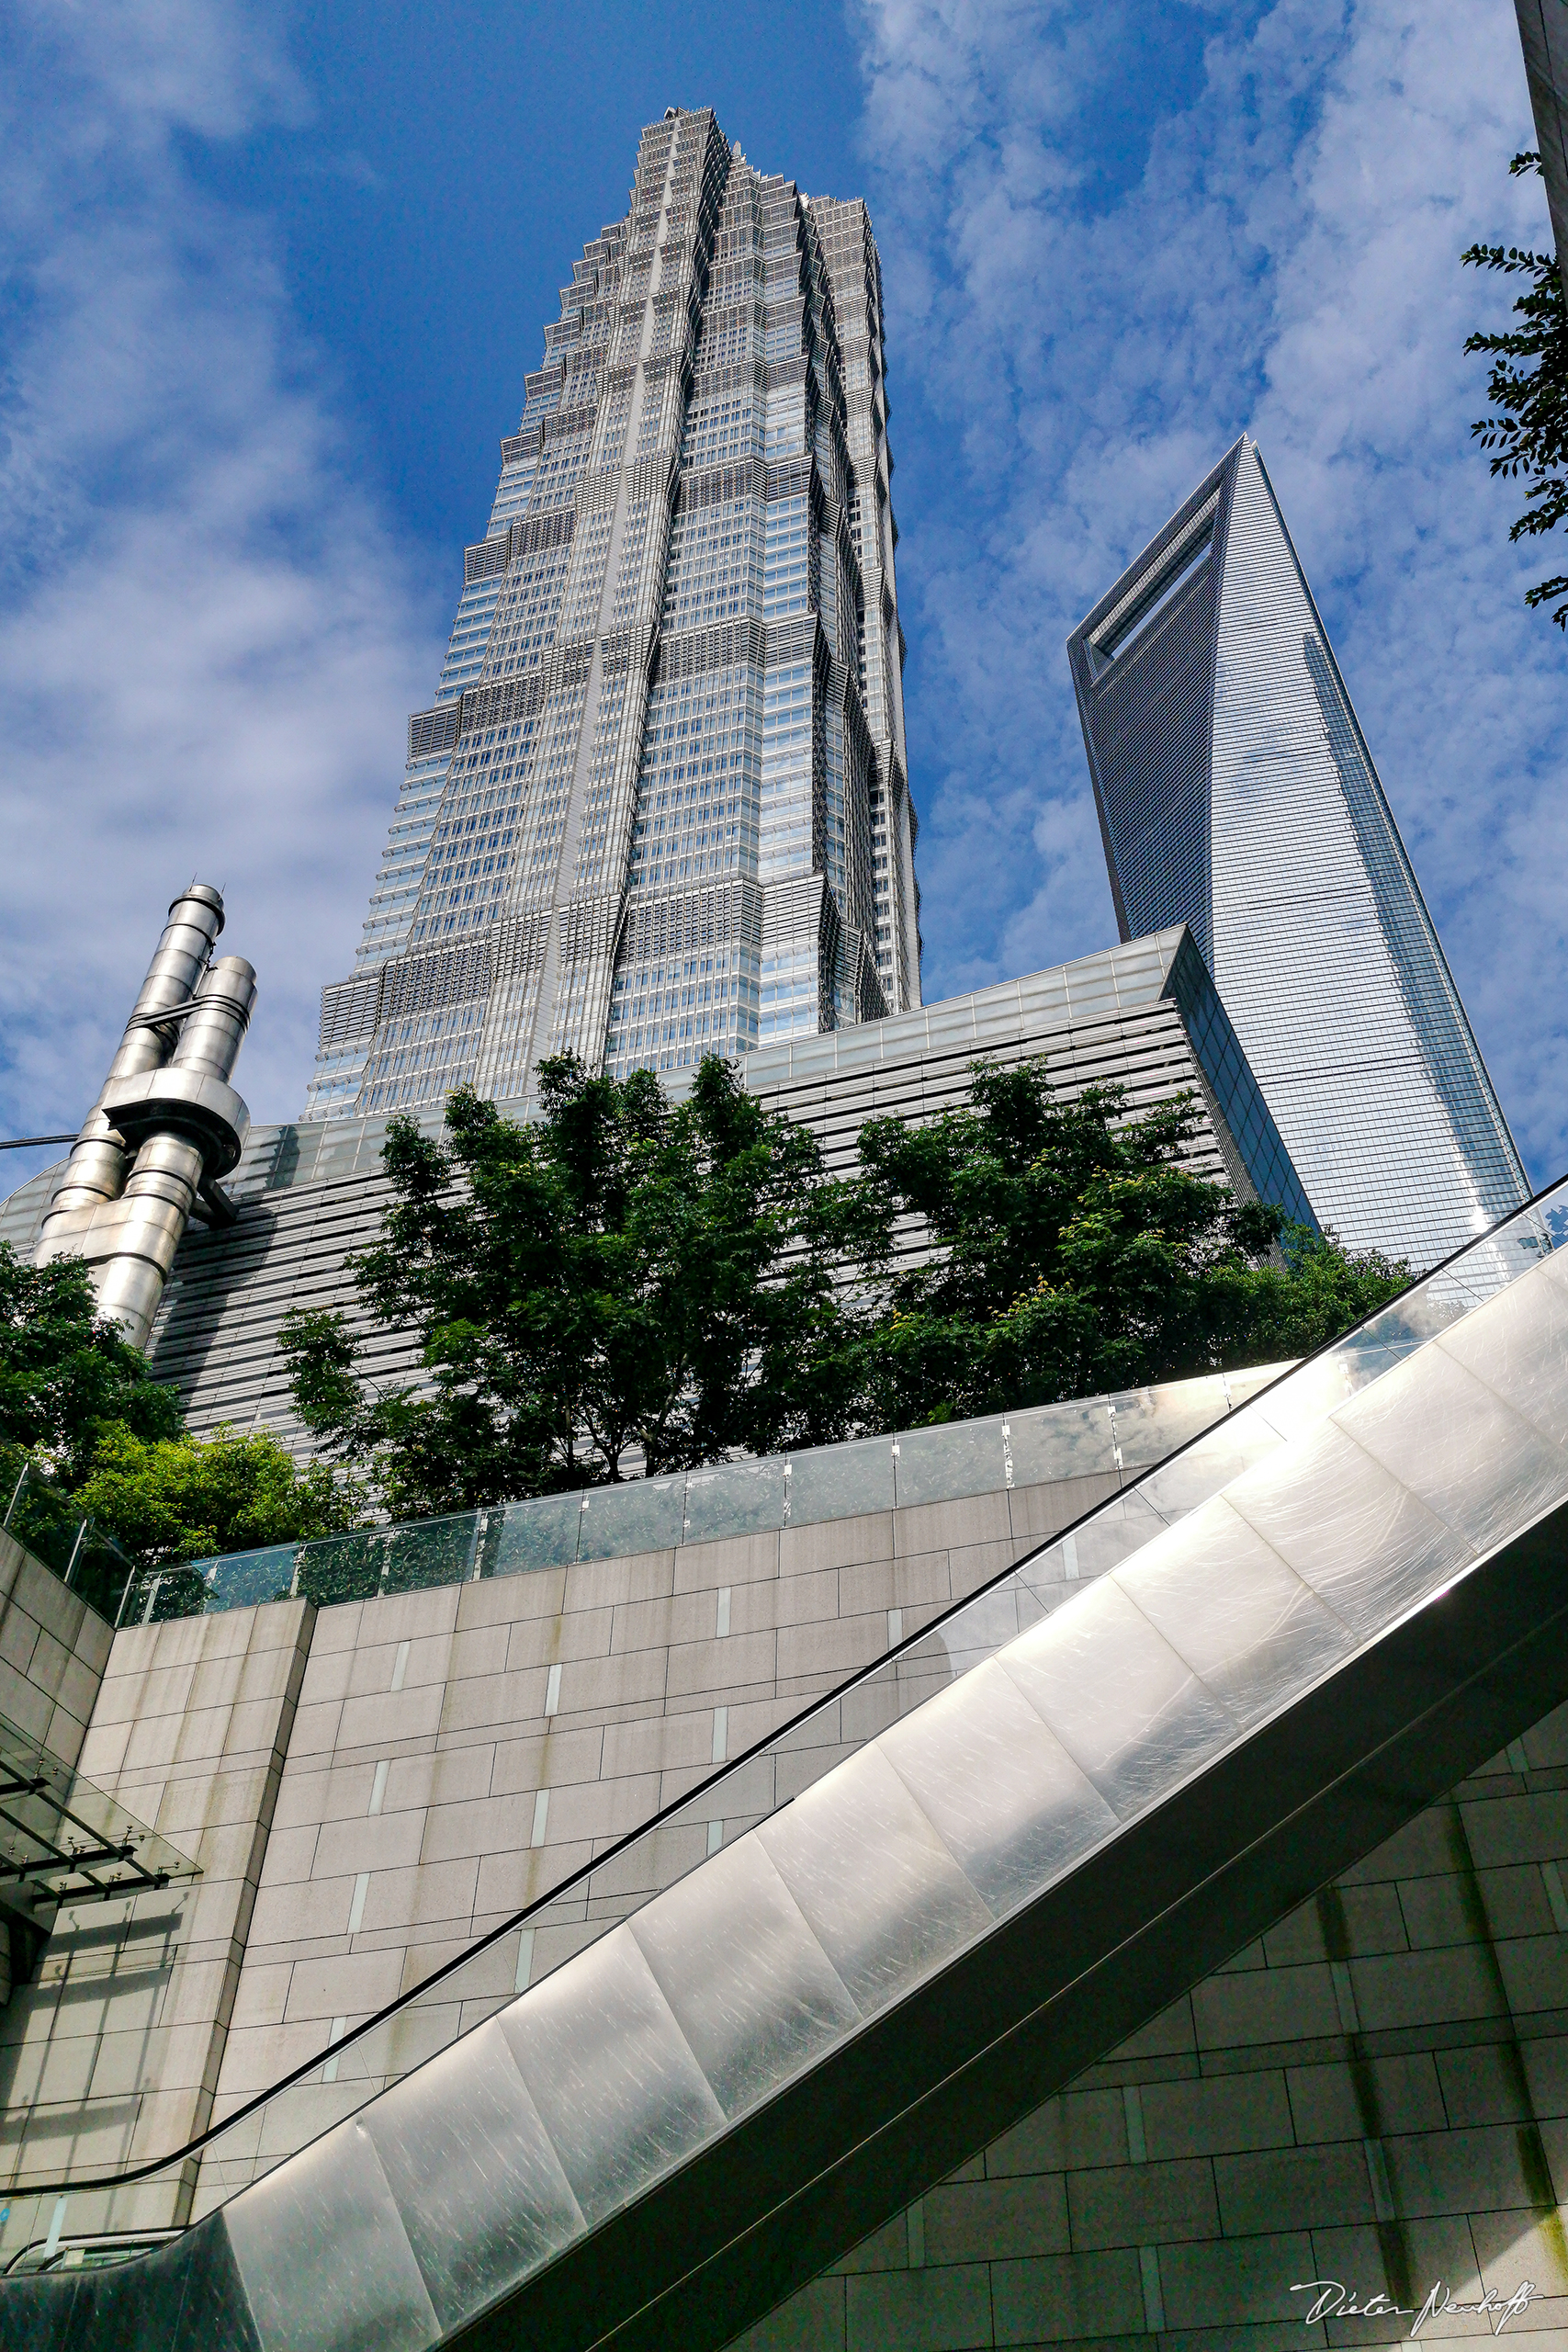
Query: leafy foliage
[(78, 1400), (624, 1275), (65, 1376), (172, 1500), (1528, 429), (685, 1283), (1076, 1252)]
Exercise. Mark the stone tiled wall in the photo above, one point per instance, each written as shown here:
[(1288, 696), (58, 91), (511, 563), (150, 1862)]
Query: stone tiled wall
[(442, 1773), (114, 2054), (1376, 2092), (53, 1654)]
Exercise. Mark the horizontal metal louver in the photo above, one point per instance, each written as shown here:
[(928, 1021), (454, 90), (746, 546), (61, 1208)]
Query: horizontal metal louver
[(349, 1011), (432, 730)]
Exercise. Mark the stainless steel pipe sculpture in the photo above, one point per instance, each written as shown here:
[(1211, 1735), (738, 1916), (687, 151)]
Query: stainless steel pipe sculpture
[(167, 1124)]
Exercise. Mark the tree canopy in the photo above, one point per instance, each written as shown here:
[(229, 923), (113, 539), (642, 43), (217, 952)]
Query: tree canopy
[(628, 1281), (175, 1498), (1527, 391), (625, 1276), (1076, 1249)]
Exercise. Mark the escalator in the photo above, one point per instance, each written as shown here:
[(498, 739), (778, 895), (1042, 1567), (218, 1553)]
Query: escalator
[(850, 1959)]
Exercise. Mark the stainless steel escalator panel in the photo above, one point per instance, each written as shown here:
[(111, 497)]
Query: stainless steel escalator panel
[(1303, 1400), (611, 2072), (998, 1788), (1225, 1601), (1458, 1448), (1523, 1354), (1131, 1733), (879, 1890), (1228, 1450), (324, 2256), (480, 2187), (768, 2000), (1349, 1529)]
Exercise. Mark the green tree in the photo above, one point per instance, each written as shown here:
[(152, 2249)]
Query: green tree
[(1073, 1250), (685, 1281), (81, 1403), (622, 1276), (172, 1500), (1527, 389), (66, 1376)]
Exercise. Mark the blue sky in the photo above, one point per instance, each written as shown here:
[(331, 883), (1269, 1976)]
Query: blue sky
[(272, 280)]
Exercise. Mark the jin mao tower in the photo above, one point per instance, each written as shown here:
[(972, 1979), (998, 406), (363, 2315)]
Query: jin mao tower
[(659, 807)]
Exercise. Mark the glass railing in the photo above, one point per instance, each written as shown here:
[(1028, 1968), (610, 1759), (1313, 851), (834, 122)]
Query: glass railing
[(1110, 1433), (329, 1569), (68, 2254), (83, 1554), (340, 2074)]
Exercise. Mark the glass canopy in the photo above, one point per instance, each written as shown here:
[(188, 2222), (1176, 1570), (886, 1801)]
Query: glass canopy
[(63, 1841)]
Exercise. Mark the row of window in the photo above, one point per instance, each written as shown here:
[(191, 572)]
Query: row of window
[(673, 1012)]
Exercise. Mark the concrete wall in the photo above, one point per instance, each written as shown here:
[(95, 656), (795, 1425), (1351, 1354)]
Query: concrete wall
[(1376, 2092)]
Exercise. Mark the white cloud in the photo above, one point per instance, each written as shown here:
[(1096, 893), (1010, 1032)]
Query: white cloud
[(1093, 288), (207, 635)]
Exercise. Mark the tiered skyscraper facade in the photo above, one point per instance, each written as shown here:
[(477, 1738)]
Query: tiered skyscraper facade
[(660, 806), (1236, 794)]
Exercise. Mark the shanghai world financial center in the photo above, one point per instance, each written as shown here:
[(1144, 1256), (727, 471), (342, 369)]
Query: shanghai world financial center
[(1236, 794)]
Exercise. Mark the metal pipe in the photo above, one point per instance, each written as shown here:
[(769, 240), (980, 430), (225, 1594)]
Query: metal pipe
[(173, 1159), (98, 1165), (154, 1211), (166, 1124), (211, 1035)]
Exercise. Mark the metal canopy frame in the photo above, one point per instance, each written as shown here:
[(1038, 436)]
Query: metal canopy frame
[(63, 1841)]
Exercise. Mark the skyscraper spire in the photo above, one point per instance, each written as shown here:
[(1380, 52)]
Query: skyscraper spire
[(1236, 794), (659, 805)]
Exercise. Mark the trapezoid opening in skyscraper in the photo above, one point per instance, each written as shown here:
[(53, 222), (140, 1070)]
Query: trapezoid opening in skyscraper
[(1235, 793), (660, 806)]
